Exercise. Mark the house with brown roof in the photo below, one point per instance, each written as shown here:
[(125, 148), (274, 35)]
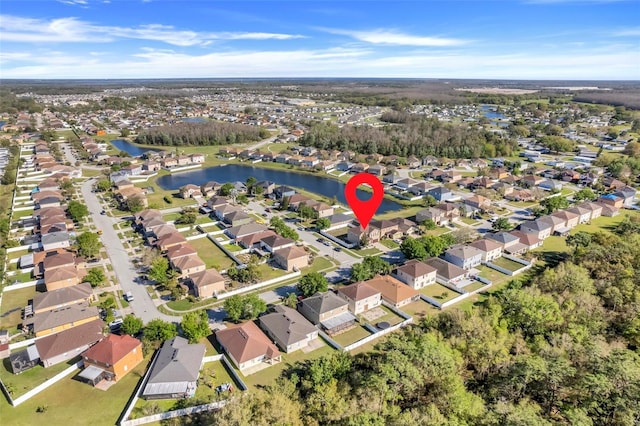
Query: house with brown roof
[(355, 234), (393, 291), (253, 240), (207, 283), (63, 318), (64, 276), (57, 299), (288, 328), (244, 230), (181, 250), (187, 265), (529, 240), (111, 359), (595, 208), (67, 344), (570, 219), (275, 242), (291, 258), (416, 274), (491, 249), (190, 191), (360, 296), (247, 346), (170, 240)]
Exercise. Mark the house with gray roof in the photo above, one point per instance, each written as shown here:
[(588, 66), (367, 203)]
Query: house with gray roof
[(463, 256), (56, 299), (244, 230), (627, 194), (538, 227), (175, 371), (64, 318), (446, 272), (329, 310), (63, 346), (288, 328), (55, 240)]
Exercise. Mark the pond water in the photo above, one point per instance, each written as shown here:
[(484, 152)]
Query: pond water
[(132, 149)]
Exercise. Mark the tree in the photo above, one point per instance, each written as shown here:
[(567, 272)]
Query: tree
[(501, 224), (103, 185), (430, 200), (233, 306), (158, 330), (313, 283), (429, 224), (558, 144), (369, 268), (291, 300), (250, 183), (88, 244), (95, 277), (323, 223), (284, 204), (551, 204), (413, 249), (585, 194), (226, 189), (579, 239), (632, 149), (132, 325), (158, 270), (195, 325), (77, 210), (244, 307), (188, 216), (135, 204)]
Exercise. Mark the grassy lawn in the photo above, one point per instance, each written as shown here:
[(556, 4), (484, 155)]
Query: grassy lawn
[(170, 216), (27, 380), (17, 254), (22, 213), (474, 286), (319, 264), (507, 264), (419, 309), (267, 272), (13, 302), (203, 219), (211, 255), (469, 221), (23, 277), (69, 398), (122, 299), (389, 243), (491, 274), (437, 291), (368, 252), (233, 247), (352, 336), (389, 317), (270, 374)]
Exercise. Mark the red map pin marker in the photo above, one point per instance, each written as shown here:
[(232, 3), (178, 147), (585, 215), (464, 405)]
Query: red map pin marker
[(364, 210)]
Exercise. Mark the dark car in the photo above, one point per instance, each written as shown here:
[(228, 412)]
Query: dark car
[(103, 212), (338, 248)]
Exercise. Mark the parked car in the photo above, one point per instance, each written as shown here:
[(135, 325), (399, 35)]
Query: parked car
[(128, 296), (116, 324)]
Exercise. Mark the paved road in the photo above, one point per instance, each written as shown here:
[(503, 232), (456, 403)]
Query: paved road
[(263, 142), (142, 305)]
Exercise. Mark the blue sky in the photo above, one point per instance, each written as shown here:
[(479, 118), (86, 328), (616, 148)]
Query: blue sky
[(502, 39)]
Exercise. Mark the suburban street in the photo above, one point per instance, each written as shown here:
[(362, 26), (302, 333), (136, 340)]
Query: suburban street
[(142, 305)]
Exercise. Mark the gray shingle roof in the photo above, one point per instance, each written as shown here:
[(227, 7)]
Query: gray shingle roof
[(177, 361), (287, 325)]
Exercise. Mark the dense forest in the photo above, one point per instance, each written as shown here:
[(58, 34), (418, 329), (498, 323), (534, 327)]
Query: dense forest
[(416, 135), (208, 133), (559, 347)]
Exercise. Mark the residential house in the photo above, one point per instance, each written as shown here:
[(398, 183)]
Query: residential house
[(627, 194), (328, 310), (360, 296), (393, 291), (247, 346), (570, 219), (528, 239), (244, 230), (70, 316), (69, 343), (595, 208), (174, 373), (196, 158), (538, 227), (237, 218), (188, 265), (169, 240), (111, 359), (413, 162), (406, 183), (253, 240), (550, 185), (377, 169), (510, 243), (584, 214), (323, 209), (416, 274), (439, 217), (207, 283), (477, 203), (491, 249), (356, 234), (451, 176), (483, 182), (291, 258), (209, 188), (288, 328), (360, 168), (447, 273), (556, 222), (520, 195), (63, 276), (611, 200), (215, 202), (530, 181), (58, 299), (282, 191), (464, 256), (267, 187), (441, 194), (275, 242), (190, 191)]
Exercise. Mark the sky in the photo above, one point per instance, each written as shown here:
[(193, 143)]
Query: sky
[(484, 39)]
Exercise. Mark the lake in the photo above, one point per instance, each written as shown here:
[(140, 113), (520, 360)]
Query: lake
[(234, 172), (491, 113), (132, 149)]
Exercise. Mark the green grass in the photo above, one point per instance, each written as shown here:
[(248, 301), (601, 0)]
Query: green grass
[(122, 299), (233, 247), (368, 252), (469, 221), (17, 254), (23, 277), (268, 273), (389, 317), (507, 264), (211, 255), (491, 274), (319, 264), (435, 291), (352, 336), (269, 375), (27, 380), (389, 243), (170, 216), (474, 286), (21, 214), (15, 299), (181, 305), (419, 309), (70, 401)]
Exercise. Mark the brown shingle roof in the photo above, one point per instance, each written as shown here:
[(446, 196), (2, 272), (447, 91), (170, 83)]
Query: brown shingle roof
[(62, 316), (67, 340), (60, 274), (392, 290), (415, 268), (246, 341), (62, 296), (358, 291), (112, 349), (206, 277)]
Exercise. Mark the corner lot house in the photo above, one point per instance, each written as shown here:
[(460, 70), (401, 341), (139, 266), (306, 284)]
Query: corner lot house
[(416, 274), (207, 283), (360, 296), (174, 373), (393, 291), (328, 310), (288, 328), (247, 346), (111, 358), (291, 258)]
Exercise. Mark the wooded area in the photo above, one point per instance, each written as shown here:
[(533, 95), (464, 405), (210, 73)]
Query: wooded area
[(416, 135), (560, 347), (208, 133)]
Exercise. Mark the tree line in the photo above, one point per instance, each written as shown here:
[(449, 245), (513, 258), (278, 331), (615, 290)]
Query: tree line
[(415, 135), (207, 133)]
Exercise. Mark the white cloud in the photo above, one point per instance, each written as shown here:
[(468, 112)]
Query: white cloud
[(391, 37), (73, 2), (628, 32), (30, 30), (335, 62)]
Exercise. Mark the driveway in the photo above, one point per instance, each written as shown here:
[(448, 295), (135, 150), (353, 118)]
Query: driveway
[(142, 305)]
